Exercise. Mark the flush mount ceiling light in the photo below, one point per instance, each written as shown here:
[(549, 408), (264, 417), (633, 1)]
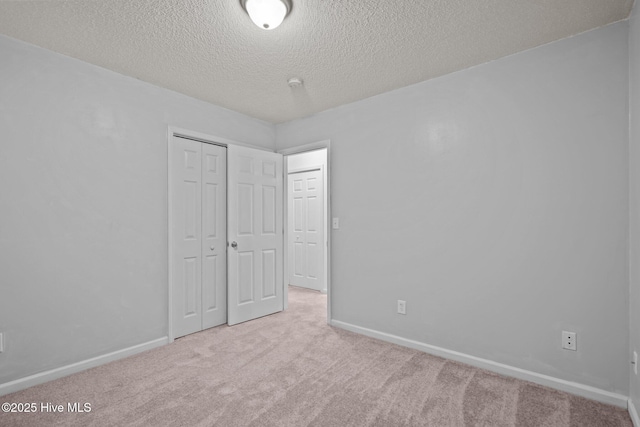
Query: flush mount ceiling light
[(267, 14)]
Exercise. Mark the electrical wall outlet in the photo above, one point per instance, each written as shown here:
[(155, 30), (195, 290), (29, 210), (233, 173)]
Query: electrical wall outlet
[(402, 307), (635, 362), (569, 340), (1, 342)]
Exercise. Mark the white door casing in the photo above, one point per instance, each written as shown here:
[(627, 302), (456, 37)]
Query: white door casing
[(198, 184), (255, 255), (306, 229)]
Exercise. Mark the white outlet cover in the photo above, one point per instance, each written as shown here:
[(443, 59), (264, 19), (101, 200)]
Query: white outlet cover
[(402, 307), (336, 223), (635, 362), (1, 342), (569, 340)]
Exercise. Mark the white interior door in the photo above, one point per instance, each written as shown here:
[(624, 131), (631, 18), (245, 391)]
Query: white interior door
[(255, 255), (198, 235), (306, 229)]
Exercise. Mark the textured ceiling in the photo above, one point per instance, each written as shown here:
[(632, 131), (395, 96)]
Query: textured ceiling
[(344, 50)]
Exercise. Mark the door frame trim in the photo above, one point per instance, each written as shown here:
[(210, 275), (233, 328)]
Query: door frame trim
[(319, 145), (205, 139)]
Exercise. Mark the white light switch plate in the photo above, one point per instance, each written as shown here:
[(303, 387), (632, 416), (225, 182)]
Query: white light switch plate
[(1, 342), (336, 223)]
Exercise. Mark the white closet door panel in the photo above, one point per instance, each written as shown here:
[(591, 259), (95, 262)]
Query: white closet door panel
[(214, 242), (186, 232), (255, 285)]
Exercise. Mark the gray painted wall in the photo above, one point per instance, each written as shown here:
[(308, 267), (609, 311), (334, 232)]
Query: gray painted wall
[(83, 205), (495, 202), (634, 198)]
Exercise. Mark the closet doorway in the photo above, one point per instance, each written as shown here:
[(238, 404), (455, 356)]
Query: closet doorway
[(225, 233)]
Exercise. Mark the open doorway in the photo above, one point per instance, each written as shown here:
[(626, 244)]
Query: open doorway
[(307, 219)]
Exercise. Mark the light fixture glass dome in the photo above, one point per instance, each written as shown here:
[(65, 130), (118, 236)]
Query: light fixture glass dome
[(267, 14)]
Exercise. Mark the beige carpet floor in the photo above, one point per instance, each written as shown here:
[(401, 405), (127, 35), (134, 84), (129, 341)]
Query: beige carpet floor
[(291, 369)]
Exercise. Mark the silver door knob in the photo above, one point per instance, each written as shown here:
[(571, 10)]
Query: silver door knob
[(234, 245), (212, 248)]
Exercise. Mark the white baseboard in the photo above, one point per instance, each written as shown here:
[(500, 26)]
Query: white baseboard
[(633, 414), (511, 371), (63, 371)]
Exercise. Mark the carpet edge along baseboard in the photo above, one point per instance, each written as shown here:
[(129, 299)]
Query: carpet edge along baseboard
[(578, 389), (63, 371)]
